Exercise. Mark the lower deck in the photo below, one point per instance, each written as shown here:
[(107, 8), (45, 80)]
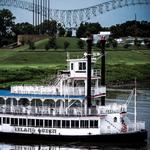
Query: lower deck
[(85, 125), (49, 125)]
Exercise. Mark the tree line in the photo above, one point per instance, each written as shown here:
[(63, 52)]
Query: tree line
[(9, 30), (130, 28)]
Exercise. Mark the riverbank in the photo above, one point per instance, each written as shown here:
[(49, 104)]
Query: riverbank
[(117, 76)]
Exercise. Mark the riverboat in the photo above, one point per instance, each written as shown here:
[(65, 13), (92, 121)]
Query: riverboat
[(71, 108)]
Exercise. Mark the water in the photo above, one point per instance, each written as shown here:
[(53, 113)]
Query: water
[(143, 114)]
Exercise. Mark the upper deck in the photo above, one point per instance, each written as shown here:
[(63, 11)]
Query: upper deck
[(70, 82)]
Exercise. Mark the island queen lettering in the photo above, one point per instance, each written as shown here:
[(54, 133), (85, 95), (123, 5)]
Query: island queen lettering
[(35, 130)]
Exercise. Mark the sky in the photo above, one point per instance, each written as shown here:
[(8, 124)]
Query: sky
[(107, 19)]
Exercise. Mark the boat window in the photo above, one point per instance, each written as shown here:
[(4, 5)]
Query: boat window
[(65, 124), (71, 66), (31, 122), (39, 123), (84, 124), (12, 121), (16, 122), (77, 124), (74, 124), (6, 120), (22, 122), (93, 123), (115, 119), (56, 123), (96, 123), (82, 66), (48, 123)]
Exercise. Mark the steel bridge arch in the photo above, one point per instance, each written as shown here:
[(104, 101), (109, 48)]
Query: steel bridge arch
[(72, 17)]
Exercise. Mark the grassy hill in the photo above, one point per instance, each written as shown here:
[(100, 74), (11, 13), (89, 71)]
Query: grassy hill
[(59, 42), (47, 58), (22, 65)]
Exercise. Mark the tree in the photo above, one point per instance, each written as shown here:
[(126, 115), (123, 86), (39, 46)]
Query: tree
[(146, 41), (131, 28), (148, 45), (126, 45), (93, 28), (111, 42), (69, 33), (66, 45), (23, 28), (137, 43), (52, 42), (114, 44), (6, 25), (81, 44), (31, 45), (61, 30), (47, 46), (49, 27)]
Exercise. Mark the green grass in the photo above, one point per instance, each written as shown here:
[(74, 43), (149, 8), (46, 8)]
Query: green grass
[(22, 65), (60, 43), (33, 58), (128, 57), (12, 58)]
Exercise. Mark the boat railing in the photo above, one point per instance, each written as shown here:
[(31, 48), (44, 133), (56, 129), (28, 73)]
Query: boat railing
[(138, 126), (69, 90), (55, 111), (113, 108), (26, 89), (56, 90)]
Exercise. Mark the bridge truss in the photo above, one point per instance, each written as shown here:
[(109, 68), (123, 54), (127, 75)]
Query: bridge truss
[(70, 18)]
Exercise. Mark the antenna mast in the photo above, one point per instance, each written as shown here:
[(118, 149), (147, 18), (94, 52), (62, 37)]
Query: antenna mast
[(135, 111)]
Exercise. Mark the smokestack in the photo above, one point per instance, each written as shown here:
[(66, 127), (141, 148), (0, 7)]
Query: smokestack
[(89, 49), (102, 42)]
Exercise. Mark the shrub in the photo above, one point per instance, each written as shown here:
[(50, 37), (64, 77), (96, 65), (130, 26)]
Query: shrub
[(126, 45), (114, 44), (47, 46), (52, 42), (31, 45), (66, 45)]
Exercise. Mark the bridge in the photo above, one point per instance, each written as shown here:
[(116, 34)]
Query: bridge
[(69, 18)]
